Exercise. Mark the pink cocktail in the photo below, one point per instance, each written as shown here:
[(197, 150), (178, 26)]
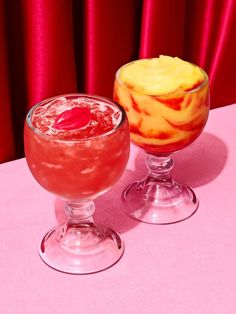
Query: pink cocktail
[(77, 147)]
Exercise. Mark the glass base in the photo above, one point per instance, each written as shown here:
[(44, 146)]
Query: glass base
[(159, 203), (81, 249)]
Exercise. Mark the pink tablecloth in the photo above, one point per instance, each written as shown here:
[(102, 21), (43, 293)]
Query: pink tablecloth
[(188, 267)]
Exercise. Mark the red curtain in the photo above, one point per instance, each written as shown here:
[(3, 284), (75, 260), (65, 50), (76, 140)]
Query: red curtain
[(53, 47)]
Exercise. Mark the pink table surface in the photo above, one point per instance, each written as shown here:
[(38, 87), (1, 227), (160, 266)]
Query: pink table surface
[(188, 267)]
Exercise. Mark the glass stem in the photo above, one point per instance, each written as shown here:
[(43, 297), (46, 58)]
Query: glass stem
[(160, 168), (80, 212)]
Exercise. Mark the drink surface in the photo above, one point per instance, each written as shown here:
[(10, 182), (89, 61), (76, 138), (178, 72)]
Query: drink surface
[(75, 119), (166, 100), (161, 75), (77, 146)]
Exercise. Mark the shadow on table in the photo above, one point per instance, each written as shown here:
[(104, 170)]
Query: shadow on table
[(196, 165), (201, 162)]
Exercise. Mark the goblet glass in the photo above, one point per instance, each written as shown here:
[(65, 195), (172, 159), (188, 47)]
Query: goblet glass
[(77, 147), (161, 124)]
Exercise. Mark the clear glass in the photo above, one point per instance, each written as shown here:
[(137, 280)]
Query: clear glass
[(78, 171), (162, 125)]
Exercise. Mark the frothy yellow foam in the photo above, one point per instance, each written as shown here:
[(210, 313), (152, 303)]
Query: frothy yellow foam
[(161, 75)]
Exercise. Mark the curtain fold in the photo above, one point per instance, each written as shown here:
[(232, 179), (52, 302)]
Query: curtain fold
[(210, 33), (7, 150), (111, 37), (49, 51), (48, 48), (162, 29)]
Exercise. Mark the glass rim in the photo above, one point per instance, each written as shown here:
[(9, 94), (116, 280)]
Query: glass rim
[(73, 141), (176, 93)]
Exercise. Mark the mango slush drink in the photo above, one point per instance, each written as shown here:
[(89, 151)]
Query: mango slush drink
[(166, 104), (68, 153)]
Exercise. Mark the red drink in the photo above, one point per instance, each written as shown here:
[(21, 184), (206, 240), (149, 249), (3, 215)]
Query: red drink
[(77, 146)]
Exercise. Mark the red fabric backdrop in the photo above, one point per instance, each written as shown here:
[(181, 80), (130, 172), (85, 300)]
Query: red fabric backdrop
[(61, 46)]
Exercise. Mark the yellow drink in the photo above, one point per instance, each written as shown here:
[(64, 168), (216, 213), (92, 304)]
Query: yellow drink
[(166, 100)]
